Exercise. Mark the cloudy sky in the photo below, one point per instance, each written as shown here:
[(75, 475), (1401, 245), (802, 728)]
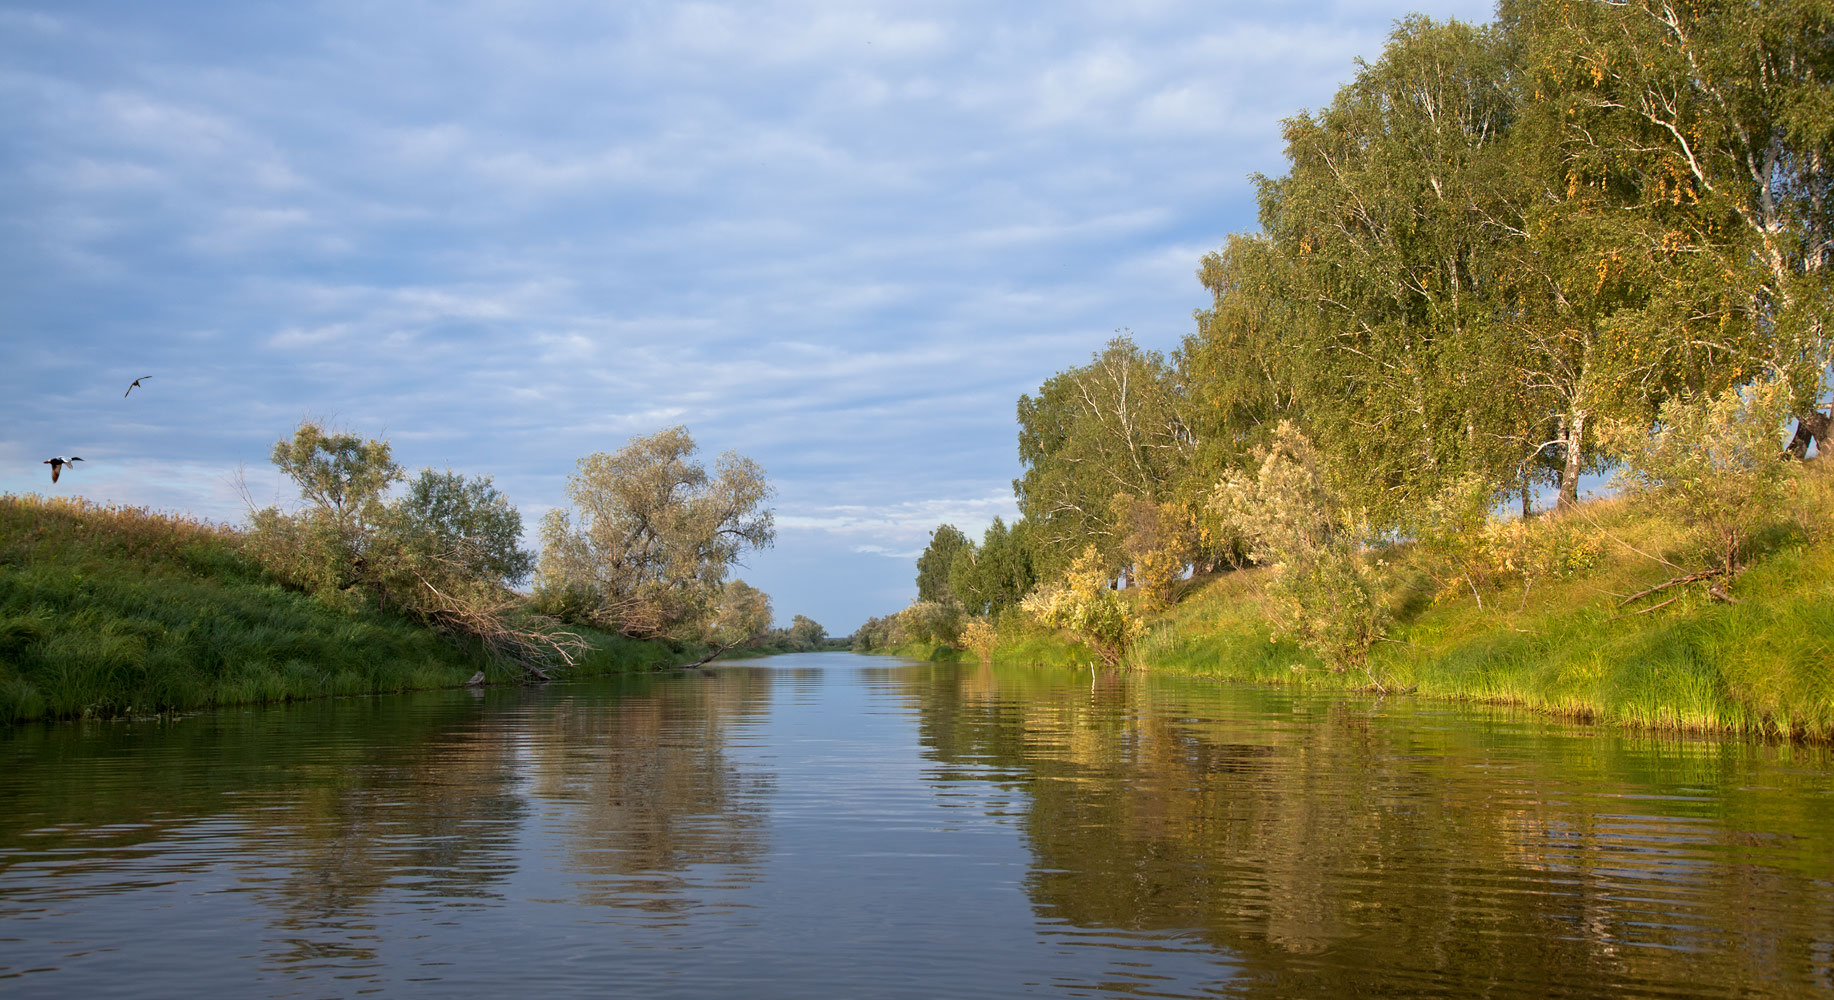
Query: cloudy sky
[(838, 237)]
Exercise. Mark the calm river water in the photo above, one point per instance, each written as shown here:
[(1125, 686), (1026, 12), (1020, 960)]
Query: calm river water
[(830, 825)]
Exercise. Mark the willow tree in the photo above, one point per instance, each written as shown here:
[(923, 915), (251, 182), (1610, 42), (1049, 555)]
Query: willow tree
[(651, 536)]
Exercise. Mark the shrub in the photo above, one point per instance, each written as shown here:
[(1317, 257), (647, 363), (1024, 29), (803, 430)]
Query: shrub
[(1323, 595), (979, 636), (1084, 604), (932, 621), (1473, 550), (1715, 464)]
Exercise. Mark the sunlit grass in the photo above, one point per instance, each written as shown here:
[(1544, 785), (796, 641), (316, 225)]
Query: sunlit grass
[(1762, 665)]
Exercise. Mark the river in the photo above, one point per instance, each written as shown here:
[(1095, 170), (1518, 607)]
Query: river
[(831, 825)]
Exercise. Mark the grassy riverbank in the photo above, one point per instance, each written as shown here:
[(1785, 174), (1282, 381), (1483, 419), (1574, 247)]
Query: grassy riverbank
[(110, 611), (1762, 663)]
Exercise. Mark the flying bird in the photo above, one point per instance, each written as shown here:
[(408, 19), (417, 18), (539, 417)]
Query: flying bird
[(57, 465), (135, 383)]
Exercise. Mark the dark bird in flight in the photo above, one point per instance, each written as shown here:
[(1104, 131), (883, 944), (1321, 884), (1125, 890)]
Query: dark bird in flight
[(135, 383), (57, 465)]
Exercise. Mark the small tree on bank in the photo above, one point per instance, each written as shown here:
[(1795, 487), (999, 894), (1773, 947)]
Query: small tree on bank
[(1084, 604), (806, 633), (1715, 464), (1323, 594)]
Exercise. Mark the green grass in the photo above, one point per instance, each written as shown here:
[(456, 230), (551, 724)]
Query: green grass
[(932, 652), (1763, 665), (115, 611)]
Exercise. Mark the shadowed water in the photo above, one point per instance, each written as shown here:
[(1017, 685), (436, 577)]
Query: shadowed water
[(833, 825)]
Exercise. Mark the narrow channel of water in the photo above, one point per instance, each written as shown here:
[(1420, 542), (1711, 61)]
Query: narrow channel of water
[(835, 825)]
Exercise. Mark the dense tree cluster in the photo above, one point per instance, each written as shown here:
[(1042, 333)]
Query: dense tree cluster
[(1504, 256)]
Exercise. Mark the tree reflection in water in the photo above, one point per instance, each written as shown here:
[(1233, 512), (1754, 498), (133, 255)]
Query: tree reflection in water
[(651, 803), (325, 815), (1339, 848), (877, 827)]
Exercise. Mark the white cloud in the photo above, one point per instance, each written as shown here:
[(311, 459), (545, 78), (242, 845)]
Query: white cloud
[(842, 239)]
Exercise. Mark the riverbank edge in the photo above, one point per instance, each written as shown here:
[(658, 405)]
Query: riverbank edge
[(1760, 665), (111, 611)]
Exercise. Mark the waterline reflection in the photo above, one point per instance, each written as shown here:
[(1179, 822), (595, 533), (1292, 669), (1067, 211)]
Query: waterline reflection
[(841, 825)]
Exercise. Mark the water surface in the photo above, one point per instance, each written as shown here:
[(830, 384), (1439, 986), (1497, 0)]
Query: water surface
[(834, 825)]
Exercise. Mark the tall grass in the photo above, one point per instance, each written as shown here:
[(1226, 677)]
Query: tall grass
[(113, 610), (1763, 664)]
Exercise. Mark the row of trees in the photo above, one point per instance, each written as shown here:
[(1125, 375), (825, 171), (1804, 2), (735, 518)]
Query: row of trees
[(1503, 257), (645, 551)]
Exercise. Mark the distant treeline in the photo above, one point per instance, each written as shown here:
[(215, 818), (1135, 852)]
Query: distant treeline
[(1584, 236)]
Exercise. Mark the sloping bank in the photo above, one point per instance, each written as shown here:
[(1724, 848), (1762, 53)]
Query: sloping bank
[(1760, 664), (110, 611)]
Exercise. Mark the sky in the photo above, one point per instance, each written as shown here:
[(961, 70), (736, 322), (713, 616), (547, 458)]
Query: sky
[(839, 238)]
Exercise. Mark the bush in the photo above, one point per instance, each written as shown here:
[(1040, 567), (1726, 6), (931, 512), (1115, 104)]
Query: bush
[(932, 621), (1469, 549), (979, 636), (1717, 466), (1084, 604), (1323, 595)]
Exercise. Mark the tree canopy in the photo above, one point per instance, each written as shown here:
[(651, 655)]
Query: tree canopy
[(651, 535)]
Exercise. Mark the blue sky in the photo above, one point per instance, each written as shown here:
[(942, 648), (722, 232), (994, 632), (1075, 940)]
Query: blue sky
[(839, 238)]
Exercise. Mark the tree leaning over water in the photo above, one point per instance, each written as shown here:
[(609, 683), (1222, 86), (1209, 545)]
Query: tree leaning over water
[(445, 553), (651, 536)]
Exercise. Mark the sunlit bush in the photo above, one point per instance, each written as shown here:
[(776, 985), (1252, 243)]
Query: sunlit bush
[(1323, 594), (1717, 466), (1085, 604)]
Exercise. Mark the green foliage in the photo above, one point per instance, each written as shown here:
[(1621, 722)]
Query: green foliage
[(1084, 604), (326, 548), (1115, 425), (1717, 466), (444, 553), (742, 615), (467, 524), (877, 633), (1384, 237), (996, 574), (652, 535), (947, 543), (806, 633), (1323, 594), (1471, 551), (340, 475)]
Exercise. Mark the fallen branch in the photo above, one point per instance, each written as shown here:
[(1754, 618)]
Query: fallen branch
[(1705, 574), (1644, 611), (532, 647), (710, 657)]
